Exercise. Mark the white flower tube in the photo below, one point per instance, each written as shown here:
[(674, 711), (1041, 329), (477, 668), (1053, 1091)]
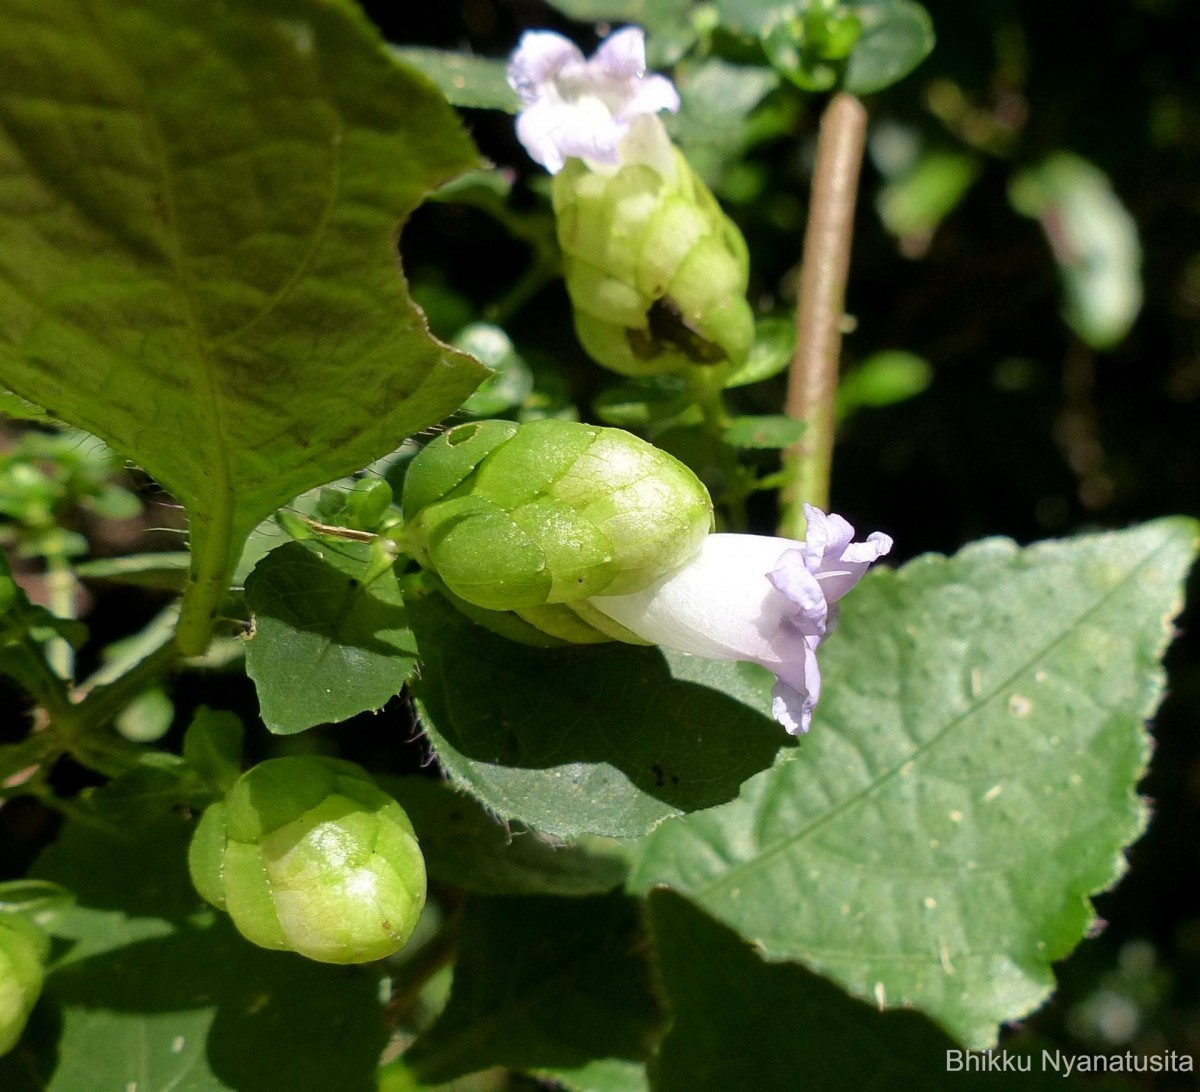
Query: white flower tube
[(765, 600)]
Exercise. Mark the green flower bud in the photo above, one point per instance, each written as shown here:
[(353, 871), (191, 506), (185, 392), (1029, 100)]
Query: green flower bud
[(519, 517), (656, 271), (309, 855), (22, 949)]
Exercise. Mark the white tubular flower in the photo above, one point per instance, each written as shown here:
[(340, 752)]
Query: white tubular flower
[(583, 108), (766, 600)]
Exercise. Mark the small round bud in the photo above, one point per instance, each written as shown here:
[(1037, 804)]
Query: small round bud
[(22, 949), (309, 855), (514, 517)]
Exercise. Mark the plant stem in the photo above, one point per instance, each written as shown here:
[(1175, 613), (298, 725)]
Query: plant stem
[(415, 973), (214, 543), (60, 582), (80, 727), (104, 702), (707, 387), (820, 310)]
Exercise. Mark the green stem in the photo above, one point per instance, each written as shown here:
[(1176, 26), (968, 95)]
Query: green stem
[(44, 685), (412, 976), (820, 310), (60, 583), (80, 727), (528, 285), (707, 386), (99, 705), (215, 543)]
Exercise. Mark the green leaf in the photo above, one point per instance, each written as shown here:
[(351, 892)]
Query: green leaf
[(897, 36), (887, 39), (197, 247), (968, 782), (396, 1076), (716, 101), (738, 1021), (511, 380), (152, 992), (19, 761), (914, 204), (166, 571), (602, 1075), (466, 846), (212, 745), (147, 718), (543, 984), (41, 900), (146, 793), (770, 431), (599, 739), (465, 80), (20, 409), (753, 17), (23, 628), (771, 353), (883, 379), (329, 641), (651, 404), (1095, 243)]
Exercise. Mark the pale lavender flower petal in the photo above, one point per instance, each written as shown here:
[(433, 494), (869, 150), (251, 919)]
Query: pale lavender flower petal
[(622, 54), (550, 132), (719, 605), (803, 590), (652, 94), (831, 556), (540, 56), (584, 109), (793, 704)]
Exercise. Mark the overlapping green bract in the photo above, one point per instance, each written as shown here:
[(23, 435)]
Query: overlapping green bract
[(309, 855), (197, 233), (547, 514), (657, 273)]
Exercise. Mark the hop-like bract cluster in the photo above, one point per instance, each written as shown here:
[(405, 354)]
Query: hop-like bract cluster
[(521, 517), (656, 272), (309, 855)]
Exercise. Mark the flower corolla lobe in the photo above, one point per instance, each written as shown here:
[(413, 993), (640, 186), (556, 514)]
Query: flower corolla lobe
[(584, 108)]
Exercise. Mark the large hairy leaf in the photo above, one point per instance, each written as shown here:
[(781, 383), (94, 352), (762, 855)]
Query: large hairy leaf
[(588, 739), (198, 216), (969, 780), (545, 984), (739, 1021)]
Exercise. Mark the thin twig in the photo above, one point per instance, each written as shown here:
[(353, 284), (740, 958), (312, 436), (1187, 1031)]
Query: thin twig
[(812, 381)]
